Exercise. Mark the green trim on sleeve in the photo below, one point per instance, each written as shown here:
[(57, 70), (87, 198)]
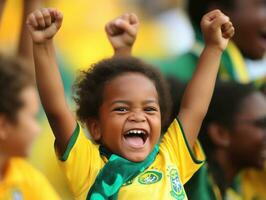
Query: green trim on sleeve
[(71, 143), (189, 148)]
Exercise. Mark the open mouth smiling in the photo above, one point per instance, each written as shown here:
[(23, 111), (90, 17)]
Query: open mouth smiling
[(136, 138)]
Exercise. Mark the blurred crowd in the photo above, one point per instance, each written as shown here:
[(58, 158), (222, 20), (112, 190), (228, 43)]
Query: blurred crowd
[(233, 134)]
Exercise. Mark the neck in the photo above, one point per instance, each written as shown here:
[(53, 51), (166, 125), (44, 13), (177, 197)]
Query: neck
[(228, 166), (3, 165)]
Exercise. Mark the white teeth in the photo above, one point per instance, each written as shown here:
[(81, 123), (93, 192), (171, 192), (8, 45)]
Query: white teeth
[(135, 132)]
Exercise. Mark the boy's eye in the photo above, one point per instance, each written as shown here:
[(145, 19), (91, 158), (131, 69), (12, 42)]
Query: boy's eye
[(150, 109), (120, 109)]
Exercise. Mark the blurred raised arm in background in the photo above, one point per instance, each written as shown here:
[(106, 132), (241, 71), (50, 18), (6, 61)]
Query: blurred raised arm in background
[(24, 50), (2, 4)]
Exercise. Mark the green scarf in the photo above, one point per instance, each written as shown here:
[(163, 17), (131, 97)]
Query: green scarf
[(115, 173)]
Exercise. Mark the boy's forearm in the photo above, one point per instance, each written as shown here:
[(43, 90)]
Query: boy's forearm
[(198, 93), (200, 89), (52, 95), (48, 78)]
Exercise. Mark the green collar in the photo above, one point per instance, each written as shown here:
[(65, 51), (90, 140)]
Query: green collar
[(116, 172)]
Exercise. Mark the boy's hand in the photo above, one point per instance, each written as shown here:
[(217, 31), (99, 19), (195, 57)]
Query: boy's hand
[(122, 33), (217, 29), (43, 24)]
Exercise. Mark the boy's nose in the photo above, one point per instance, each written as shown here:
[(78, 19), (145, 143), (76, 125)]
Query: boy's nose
[(137, 117)]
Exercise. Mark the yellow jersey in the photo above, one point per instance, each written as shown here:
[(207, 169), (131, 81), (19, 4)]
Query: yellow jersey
[(163, 179), (23, 182), (253, 184)]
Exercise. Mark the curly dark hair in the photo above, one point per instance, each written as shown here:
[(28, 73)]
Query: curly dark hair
[(14, 78), (89, 86), (197, 8)]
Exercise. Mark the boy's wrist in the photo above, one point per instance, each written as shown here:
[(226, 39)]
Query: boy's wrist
[(32, 3), (126, 51), (214, 49), (45, 44)]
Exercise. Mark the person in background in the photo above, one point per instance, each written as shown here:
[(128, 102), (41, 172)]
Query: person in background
[(233, 137), (249, 42), (23, 53), (19, 105), (243, 61)]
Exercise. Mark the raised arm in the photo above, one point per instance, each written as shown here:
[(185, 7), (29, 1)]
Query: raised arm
[(217, 30), (25, 44), (43, 24), (122, 33), (2, 5)]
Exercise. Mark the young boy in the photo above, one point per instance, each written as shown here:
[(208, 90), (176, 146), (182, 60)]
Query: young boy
[(18, 128), (122, 102)]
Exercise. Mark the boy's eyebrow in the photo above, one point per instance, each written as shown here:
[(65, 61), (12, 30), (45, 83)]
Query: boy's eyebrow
[(120, 101), (129, 102)]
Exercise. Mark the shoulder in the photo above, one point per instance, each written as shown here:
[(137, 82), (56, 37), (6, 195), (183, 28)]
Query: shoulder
[(26, 171), (21, 164), (31, 182), (25, 168)]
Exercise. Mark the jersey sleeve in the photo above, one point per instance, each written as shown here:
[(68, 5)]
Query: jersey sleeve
[(188, 160), (80, 162)]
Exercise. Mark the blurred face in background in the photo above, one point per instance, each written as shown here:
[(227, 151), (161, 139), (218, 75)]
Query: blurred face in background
[(248, 138), (249, 19), (20, 134)]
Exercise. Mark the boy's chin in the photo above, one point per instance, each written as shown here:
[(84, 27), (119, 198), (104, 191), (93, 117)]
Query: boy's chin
[(136, 157)]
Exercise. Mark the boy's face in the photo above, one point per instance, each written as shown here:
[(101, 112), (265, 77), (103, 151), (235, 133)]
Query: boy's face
[(21, 133), (129, 118), (248, 139), (249, 19)]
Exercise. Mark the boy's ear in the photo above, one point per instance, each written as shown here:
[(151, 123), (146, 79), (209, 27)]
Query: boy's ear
[(219, 135), (93, 126)]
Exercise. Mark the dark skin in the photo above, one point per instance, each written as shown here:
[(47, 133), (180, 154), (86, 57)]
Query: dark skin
[(249, 133), (249, 18), (244, 145), (125, 108)]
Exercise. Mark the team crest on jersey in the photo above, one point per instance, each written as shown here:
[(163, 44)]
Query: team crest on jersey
[(150, 177), (177, 190)]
